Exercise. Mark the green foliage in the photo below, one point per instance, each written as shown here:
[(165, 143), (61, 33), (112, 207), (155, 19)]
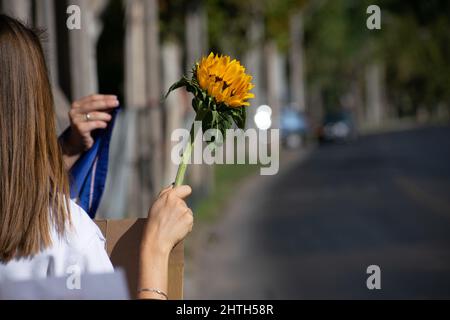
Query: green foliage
[(416, 50), (228, 22), (412, 45), (171, 19), (277, 14), (227, 179)]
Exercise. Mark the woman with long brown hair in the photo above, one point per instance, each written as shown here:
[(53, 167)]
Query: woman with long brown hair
[(41, 228)]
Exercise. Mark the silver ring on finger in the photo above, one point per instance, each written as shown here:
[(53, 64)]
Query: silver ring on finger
[(88, 117)]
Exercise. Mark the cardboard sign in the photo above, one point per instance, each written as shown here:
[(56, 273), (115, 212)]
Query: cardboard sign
[(123, 238)]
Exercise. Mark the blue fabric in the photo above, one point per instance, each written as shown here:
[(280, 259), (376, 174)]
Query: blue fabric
[(88, 174)]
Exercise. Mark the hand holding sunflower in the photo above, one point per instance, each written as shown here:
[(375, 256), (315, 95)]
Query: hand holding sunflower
[(221, 89)]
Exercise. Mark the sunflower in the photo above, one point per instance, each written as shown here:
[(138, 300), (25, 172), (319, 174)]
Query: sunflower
[(220, 90), (225, 80)]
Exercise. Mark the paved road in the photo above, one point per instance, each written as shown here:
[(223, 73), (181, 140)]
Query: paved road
[(312, 231)]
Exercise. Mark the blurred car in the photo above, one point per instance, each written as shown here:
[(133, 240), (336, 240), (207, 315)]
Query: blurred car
[(337, 127), (294, 128)]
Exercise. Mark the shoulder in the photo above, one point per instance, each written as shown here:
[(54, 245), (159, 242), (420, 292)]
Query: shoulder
[(82, 230), (83, 243), (85, 237)]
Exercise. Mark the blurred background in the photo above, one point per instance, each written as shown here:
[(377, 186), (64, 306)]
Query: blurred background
[(365, 136)]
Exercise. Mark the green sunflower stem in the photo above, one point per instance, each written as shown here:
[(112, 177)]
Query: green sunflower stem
[(187, 153), (183, 165)]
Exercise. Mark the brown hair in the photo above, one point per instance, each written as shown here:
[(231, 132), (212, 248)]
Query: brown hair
[(34, 187)]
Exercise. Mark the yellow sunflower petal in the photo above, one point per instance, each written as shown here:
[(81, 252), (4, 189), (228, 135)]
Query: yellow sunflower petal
[(225, 80)]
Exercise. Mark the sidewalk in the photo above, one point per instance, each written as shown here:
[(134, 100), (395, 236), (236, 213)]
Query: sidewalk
[(217, 265)]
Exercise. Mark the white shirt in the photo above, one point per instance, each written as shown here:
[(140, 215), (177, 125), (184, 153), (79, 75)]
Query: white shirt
[(83, 247)]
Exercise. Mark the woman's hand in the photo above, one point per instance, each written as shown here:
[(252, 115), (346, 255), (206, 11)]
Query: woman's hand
[(169, 221), (86, 115)]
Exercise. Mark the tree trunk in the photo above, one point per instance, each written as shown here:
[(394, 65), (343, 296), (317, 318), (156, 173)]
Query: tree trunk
[(357, 94), (201, 177), (45, 11), (374, 93), (172, 54), (196, 33), (83, 44), (19, 9), (135, 71), (45, 18), (317, 112), (253, 62), (297, 79), (139, 185), (153, 75), (275, 66)]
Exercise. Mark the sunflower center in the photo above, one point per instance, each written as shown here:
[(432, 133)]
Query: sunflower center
[(225, 84)]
